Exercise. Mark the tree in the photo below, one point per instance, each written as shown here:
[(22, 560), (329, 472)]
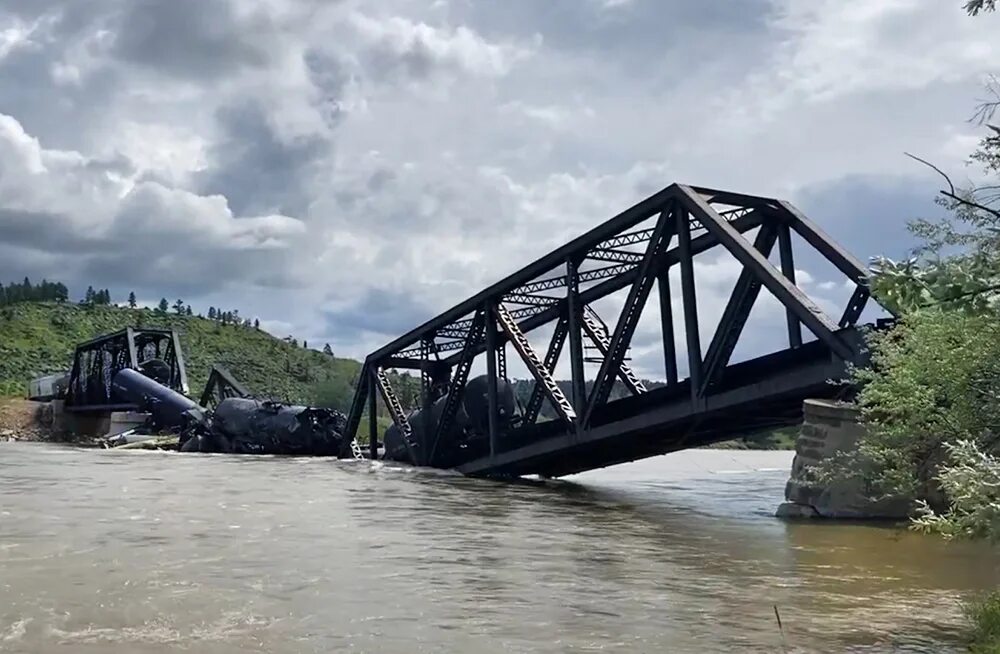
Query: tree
[(188, 311), (256, 323), (976, 6), (163, 306), (131, 300), (89, 297), (334, 393), (211, 313), (305, 344), (327, 350)]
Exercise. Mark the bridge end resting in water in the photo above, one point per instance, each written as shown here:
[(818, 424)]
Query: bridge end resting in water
[(477, 426)]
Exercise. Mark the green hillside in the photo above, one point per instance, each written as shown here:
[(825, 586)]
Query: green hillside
[(38, 338)]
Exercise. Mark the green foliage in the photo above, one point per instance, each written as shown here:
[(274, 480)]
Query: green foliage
[(334, 393), (984, 616), (934, 380), (972, 482)]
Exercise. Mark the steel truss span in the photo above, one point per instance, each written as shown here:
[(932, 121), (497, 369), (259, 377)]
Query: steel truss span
[(472, 425)]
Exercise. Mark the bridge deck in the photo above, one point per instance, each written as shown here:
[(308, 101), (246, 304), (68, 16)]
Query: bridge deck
[(760, 394)]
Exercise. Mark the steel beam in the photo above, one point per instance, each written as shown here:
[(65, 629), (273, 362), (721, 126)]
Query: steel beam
[(534, 405), (368, 380), (175, 340), (630, 314), (491, 376), (689, 299), (627, 276), (787, 293), (396, 412), (610, 254), (574, 312), (598, 335), (133, 355), (667, 326), (535, 367), (456, 387), (737, 312), (855, 306), (788, 270), (846, 262)]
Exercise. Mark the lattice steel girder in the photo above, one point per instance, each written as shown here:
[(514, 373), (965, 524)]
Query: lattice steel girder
[(598, 335), (609, 254), (627, 276), (456, 388), (737, 312), (630, 313), (628, 238), (396, 412), (533, 300), (534, 405), (787, 293), (535, 367)]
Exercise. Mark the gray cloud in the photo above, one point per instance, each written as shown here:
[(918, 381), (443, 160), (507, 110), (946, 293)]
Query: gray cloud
[(350, 169)]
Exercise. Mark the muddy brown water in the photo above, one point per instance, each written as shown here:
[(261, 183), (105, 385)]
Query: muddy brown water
[(104, 551)]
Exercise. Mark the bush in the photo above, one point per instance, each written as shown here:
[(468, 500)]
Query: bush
[(971, 480), (984, 615)]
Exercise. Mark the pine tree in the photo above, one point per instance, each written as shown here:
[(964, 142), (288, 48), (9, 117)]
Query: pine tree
[(3, 296), (256, 323), (188, 311), (88, 298), (179, 307), (163, 306), (305, 344), (327, 350), (132, 303), (62, 293), (211, 313)]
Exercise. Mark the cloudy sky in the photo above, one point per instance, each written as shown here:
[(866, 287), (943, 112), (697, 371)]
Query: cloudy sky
[(346, 169)]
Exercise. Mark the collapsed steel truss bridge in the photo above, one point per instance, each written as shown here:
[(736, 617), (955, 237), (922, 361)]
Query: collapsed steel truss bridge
[(635, 250)]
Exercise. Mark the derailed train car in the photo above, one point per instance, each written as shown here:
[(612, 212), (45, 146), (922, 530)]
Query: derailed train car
[(236, 425), (469, 433)]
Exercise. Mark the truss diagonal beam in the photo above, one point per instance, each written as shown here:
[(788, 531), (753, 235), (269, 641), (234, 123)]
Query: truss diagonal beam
[(534, 405), (598, 334), (737, 312), (396, 412), (456, 388), (630, 314), (855, 306), (787, 293), (535, 367), (846, 262)]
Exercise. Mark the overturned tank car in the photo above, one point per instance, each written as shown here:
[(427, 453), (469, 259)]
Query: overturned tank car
[(469, 432), (236, 424)]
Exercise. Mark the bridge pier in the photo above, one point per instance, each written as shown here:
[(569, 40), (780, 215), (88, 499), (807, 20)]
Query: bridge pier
[(830, 427)]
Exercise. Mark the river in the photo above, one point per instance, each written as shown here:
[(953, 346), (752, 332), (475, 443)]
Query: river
[(105, 551)]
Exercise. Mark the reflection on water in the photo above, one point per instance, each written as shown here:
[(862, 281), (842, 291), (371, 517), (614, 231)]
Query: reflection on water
[(142, 552)]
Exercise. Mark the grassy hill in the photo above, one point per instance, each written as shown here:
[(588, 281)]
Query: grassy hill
[(39, 338)]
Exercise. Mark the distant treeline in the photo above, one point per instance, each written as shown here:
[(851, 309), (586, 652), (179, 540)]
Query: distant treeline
[(47, 291)]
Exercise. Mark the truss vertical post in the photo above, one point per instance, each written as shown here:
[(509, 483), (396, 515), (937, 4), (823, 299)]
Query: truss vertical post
[(631, 312), (667, 325), (182, 378), (491, 375), (788, 270), (133, 355), (369, 381), (574, 327), (689, 300), (426, 398)]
